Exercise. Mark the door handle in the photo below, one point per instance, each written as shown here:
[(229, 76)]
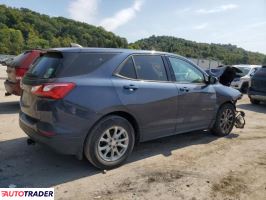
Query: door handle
[(131, 87), (184, 89)]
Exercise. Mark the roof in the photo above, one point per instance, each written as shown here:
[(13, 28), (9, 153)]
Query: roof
[(113, 50)]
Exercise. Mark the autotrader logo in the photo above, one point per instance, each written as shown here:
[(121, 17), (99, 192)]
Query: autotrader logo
[(26, 193)]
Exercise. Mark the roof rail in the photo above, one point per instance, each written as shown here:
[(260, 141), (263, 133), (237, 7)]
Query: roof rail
[(75, 45)]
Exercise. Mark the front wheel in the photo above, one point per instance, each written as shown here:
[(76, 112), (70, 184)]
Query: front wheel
[(225, 120), (110, 142), (254, 101)]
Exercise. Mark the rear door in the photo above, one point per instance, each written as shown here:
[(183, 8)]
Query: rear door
[(143, 86), (196, 99)]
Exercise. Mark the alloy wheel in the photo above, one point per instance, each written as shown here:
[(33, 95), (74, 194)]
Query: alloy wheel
[(227, 120), (113, 144)]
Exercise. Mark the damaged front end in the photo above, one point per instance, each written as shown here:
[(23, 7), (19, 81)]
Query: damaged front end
[(240, 121)]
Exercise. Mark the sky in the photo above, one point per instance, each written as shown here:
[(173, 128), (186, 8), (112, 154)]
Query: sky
[(239, 22)]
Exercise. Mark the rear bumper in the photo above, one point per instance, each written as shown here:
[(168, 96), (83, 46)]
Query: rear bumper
[(60, 143), (261, 96), (13, 88)]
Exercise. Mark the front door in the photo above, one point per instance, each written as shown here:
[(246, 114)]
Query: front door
[(196, 98)]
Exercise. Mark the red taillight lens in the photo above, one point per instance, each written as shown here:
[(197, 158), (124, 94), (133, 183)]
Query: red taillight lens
[(20, 73), (53, 90)]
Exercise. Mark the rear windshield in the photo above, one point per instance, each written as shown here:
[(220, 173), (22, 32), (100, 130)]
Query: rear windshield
[(55, 64), (17, 61)]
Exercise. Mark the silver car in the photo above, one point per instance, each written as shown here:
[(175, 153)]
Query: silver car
[(241, 82)]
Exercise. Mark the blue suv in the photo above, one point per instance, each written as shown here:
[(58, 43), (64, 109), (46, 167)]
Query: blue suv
[(99, 102)]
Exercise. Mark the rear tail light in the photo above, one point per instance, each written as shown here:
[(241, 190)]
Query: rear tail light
[(20, 73), (53, 90)]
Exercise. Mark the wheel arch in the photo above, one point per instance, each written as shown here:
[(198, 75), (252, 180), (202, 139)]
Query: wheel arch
[(123, 114), (131, 120)]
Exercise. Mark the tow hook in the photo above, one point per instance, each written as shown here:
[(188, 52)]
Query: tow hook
[(240, 119), (30, 142)]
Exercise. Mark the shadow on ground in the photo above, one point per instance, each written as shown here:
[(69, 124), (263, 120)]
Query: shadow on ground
[(9, 107), (38, 166), (261, 108)]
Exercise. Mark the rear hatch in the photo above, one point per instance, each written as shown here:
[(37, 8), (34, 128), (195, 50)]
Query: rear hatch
[(43, 71), (51, 78), (258, 82)]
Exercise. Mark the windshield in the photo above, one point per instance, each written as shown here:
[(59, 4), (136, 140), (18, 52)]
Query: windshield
[(244, 71)]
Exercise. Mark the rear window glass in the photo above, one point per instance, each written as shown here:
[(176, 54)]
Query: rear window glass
[(19, 59), (128, 69), (150, 67), (55, 64)]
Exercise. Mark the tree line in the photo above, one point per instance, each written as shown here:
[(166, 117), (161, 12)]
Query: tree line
[(227, 53), (23, 29)]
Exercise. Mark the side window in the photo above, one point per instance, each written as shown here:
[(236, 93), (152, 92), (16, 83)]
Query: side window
[(150, 67), (185, 72), (128, 69)]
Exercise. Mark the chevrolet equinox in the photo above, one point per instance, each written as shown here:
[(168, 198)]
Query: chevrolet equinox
[(98, 102)]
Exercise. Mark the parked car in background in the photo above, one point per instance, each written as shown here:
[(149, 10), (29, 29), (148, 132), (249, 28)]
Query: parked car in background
[(6, 59), (225, 74), (241, 82), (257, 90), (99, 102), (16, 69)]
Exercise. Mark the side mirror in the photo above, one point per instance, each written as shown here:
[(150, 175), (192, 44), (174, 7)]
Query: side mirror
[(212, 80)]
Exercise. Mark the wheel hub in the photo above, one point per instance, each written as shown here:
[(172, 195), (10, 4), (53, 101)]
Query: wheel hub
[(113, 143)]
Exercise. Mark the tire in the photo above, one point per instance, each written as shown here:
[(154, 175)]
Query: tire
[(110, 142), (254, 101), (244, 88), (221, 126)]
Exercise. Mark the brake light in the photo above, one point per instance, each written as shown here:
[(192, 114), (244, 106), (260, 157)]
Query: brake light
[(20, 73), (53, 90)]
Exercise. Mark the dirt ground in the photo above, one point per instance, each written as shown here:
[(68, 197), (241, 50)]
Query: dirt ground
[(190, 166)]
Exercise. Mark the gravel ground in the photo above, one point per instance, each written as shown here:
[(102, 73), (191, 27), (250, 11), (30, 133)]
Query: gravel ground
[(192, 166)]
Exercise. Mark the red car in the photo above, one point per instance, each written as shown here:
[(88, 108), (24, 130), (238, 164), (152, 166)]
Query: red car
[(16, 70)]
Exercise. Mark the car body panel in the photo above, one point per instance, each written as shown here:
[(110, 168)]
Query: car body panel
[(257, 90), (153, 103), (196, 106), (159, 108)]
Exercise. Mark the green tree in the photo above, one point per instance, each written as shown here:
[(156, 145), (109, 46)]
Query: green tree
[(264, 61), (11, 41)]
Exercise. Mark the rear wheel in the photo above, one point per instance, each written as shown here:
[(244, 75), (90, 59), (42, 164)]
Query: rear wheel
[(110, 142), (225, 120), (254, 101)]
